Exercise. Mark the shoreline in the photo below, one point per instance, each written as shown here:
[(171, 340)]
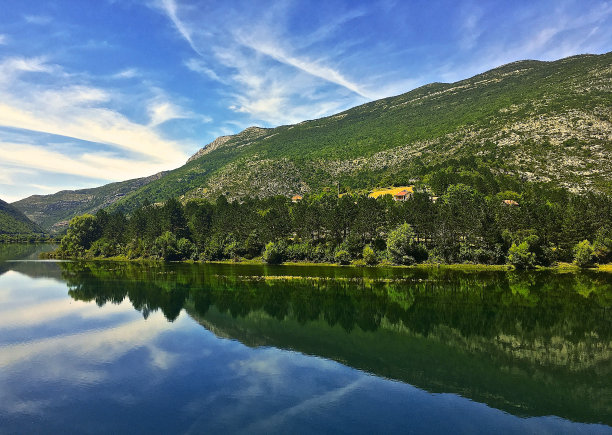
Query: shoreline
[(468, 267)]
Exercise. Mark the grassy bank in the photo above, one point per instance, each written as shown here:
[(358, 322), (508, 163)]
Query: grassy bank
[(468, 267)]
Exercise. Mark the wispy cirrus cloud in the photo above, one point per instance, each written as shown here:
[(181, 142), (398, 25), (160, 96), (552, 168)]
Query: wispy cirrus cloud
[(265, 79), (39, 97), (128, 73), (148, 95), (101, 166), (37, 19)]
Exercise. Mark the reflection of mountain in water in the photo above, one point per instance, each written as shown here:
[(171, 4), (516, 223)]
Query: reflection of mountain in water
[(530, 344), (12, 255)]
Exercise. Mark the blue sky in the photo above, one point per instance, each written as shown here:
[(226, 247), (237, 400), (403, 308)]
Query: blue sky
[(106, 90)]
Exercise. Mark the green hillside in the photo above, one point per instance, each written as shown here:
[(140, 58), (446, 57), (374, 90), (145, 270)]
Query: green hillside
[(53, 212), (529, 120), (525, 121), (12, 221)]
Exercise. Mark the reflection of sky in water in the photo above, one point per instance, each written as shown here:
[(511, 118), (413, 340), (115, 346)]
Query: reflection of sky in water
[(70, 364)]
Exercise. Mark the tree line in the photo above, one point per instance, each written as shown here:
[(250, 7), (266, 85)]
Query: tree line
[(538, 226)]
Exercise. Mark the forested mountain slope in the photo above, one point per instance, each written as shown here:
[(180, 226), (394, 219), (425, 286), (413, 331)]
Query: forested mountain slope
[(53, 212), (12, 221), (541, 121), (525, 121)]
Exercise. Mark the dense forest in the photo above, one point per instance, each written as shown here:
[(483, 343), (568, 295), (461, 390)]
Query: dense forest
[(535, 225)]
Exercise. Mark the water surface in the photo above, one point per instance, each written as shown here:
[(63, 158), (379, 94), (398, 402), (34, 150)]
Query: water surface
[(118, 347)]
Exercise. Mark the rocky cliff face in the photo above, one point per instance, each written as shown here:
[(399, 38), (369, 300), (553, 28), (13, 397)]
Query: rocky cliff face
[(251, 133)]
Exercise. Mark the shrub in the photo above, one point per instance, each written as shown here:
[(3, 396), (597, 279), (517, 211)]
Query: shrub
[(165, 247), (342, 256), (520, 256), (231, 250), (253, 245), (402, 248), (186, 249), (213, 250), (602, 246), (369, 256), (298, 251), (274, 253), (103, 248), (583, 254)]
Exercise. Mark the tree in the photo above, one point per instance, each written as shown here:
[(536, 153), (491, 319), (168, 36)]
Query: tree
[(166, 247), (82, 232), (520, 256), (274, 253), (369, 256), (583, 254), (342, 256), (174, 219), (402, 246)]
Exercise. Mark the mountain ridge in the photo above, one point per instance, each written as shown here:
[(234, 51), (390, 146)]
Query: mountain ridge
[(53, 212), (541, 121)]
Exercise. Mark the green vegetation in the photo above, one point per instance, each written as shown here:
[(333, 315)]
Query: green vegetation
[(14, 223), (583, 254), (525, 121), (489, 118), (53, 212), (538, 227)]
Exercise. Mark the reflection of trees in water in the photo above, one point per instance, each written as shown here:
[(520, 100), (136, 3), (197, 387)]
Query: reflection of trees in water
[(540, 304), (530, 343)]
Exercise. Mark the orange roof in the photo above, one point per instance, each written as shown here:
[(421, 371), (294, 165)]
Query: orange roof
[(510, 202)]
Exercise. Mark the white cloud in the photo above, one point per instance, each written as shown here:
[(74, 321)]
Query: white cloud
[(471, 27), (37, 19), (170, 8), (83, 112), (13, 66), (313, 68), (198, 66), (162, 111), (98, 125), (92, 165), (126, 74), (3, 39), (263, 78)]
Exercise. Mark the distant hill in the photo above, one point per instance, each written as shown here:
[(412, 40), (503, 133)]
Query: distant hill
[(53, 212), (527, 120), (12, 221)]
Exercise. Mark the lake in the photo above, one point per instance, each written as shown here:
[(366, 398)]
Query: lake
[(103, 347)]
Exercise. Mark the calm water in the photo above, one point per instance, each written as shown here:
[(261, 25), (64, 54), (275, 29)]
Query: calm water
[(131, 348)]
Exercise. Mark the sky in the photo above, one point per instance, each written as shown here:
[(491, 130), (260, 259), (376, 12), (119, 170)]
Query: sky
[(96, 91)]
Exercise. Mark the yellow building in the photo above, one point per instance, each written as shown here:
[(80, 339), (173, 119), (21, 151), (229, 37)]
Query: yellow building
[(401, 193)]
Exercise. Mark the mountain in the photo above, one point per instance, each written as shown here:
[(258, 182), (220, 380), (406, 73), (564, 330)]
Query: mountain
[(13, 221), (527, 120), (541, 121), (53, 212)]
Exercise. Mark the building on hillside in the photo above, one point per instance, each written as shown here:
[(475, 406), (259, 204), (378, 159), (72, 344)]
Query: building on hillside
[(510, 202), (296, 198), (401, 193)]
